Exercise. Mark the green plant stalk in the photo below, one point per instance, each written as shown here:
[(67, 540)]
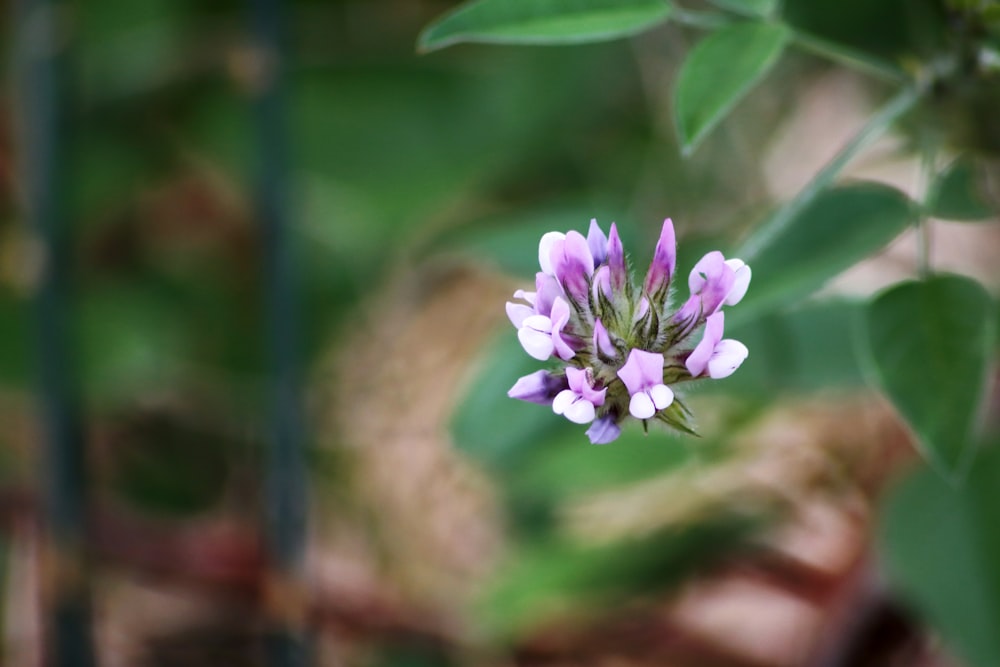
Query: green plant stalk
[(702, 20), (922, 224), (849, 58), (42, 70), (709, 20), (876, 126)]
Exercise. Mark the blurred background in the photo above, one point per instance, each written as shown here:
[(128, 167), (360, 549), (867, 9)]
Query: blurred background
[(449, 525)]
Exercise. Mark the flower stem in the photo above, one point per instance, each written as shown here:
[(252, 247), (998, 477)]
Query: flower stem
[(876, 126), (849, 58), (922, 222), (702, 20)]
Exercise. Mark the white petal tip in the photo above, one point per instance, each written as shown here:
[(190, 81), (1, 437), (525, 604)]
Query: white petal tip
[(641, 406), (662, 396), (537, 344), (545, 250)]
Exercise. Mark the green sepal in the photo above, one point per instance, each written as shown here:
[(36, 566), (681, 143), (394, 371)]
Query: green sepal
[(676, 416)]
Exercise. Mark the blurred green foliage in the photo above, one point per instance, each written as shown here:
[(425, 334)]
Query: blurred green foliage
[(473, 152), (942, 547), (929, 344)]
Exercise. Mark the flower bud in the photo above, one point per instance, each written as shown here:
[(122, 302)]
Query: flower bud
[(573, 266), (661, 269), (539, 387)]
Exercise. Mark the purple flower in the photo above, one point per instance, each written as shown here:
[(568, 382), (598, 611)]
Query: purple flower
[(545, 251), (578, 403), (641, 309), (541, 335), (664, 261), (601, 327), (720, 357), (643, 377), (711, 280), (602, 284), (616, 261), (741, 282), (547, 290), (714, 281), (539, 387), (573, 265), (518, 312), (602, 342), (604, 430), (597, 242)]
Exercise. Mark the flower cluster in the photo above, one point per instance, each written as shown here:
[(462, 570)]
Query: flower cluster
[(621, 347)]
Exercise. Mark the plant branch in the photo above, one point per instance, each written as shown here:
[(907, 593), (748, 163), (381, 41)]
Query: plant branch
[(876, 126), (849, 58)]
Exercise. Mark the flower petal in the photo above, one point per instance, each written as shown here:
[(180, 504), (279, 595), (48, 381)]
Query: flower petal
[(664, 261), (697, 361), (580, 411), (594, 396), (573, 265), (729, 355), (576, 378), (581, 382), (741, 281), (527, 296), (560, 317), (712, 279), (547, 289), (641, 309), (545, 250), (709, 266), (662, 396), (597, 242), (604, 430), (602, 283), (602, 342), (563, 400), (616, 261), (641, 371), (517, 312), (641, 406), (538, 387), (537, 343)]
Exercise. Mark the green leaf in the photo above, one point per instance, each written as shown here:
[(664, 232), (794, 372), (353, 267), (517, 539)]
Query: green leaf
[(719, 72), (942, 552), (571, 467), (960, 193), (748, 7), (892, 30), (543, 22), (807, 348), (840, 227), (877, 125), (928, 346)]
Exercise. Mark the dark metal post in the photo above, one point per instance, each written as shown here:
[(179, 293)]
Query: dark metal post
[(286, 499), (41, 68)]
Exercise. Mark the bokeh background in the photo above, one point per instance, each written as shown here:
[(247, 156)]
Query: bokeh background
[(449, 525)]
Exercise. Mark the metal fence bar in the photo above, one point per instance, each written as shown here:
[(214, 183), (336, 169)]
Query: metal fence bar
[(41, 63), (286, 488)]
